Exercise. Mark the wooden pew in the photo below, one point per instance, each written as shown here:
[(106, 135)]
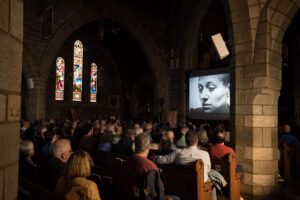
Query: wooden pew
[(187, 182), (31, 191), (227, 167), (298, 162), (288, 158), (117, 184), (109, 159)]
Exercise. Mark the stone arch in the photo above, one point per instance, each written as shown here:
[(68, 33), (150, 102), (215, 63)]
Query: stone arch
[(121, 14), (273, 23)]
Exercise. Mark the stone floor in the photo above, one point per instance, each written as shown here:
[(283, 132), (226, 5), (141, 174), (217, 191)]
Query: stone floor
[(287, 190)]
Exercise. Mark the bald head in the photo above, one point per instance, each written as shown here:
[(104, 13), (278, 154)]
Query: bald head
[(61, 149)]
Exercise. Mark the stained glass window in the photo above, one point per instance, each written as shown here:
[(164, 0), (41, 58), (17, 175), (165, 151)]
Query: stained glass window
[(93, 84), (60, 79), (77, 71)]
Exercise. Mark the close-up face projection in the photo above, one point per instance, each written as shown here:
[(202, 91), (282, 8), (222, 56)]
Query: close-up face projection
[(214, 92)]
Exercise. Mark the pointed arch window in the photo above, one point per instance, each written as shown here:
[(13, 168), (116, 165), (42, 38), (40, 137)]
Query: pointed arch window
[(93, 83), (77, 71), (60, 79)]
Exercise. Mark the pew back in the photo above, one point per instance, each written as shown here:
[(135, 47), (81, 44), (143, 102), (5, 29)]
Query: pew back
[(32, 191), (289, 154), (187, 182), (116, 184), (109, 159), (227, 167)]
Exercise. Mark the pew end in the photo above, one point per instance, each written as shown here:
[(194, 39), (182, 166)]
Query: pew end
[(227, 167), (186, 181)]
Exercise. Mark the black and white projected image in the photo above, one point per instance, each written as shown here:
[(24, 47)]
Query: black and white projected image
[(209, 96)]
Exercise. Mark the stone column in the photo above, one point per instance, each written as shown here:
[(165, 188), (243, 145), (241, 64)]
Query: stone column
[(11, 36), (35, 101)]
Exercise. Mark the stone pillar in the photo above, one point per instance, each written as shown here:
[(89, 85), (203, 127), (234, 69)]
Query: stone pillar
[(11, 36), (35, 101), (256, 118)]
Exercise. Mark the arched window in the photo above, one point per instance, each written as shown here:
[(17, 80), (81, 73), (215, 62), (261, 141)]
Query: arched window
[(77, 71), (93, 83), (60, 79)]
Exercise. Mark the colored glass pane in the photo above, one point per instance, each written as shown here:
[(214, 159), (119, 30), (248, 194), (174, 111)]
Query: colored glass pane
[(60, 79), (77, 71), (93, 83)]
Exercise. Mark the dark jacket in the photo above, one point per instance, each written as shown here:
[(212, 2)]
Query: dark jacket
[(152, 186), (50, 171), (124, 146)]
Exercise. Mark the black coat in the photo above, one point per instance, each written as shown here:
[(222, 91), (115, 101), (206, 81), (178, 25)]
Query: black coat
[(124, 146)]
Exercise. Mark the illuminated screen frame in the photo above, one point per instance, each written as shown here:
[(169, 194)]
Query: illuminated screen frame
[(210, 111)]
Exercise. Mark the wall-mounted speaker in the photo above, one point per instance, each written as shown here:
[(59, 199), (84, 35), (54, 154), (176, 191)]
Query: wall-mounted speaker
[(220, 45), (30, 83)]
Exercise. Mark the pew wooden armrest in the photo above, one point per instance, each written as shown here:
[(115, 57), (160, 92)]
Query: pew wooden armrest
[(227, 167)]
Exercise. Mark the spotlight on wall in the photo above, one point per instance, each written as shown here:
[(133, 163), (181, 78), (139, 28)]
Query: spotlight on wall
[(30, 83), (220, 45)]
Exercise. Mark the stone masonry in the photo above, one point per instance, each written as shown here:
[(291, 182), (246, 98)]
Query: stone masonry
[(11, 41), (255, 29)]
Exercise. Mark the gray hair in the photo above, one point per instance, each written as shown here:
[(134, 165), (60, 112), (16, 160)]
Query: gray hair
[(202, 136), (26, 149), (141, 142)]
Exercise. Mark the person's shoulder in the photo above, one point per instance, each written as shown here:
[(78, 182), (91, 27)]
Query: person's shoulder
[(202, 152)]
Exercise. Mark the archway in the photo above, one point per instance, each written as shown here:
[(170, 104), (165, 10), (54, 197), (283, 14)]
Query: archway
[(120, 15), (121, 65)]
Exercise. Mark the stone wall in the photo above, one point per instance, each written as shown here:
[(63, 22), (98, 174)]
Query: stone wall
[(109, 81), (11, 37), (69, 16), (255, 31)]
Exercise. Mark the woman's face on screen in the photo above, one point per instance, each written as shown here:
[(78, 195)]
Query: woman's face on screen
[(213, 93)]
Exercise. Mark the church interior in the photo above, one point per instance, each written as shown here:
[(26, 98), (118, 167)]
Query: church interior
[(133, 61)]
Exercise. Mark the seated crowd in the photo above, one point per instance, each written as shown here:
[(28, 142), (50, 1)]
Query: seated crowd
[(64, 172)]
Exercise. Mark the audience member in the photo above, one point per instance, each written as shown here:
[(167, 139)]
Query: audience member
[(50, 139), (187, 155), (40, 140), (203, 139), (165, 145), (27, 168), (74, 183), (118, 133), (171, 136), (88, 141), (286, 135), (124, 146), (219, 149), (52, 169), (138, 131), (181, 142), (30, 134), (148, 130), (106, 141), (138, 163)]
